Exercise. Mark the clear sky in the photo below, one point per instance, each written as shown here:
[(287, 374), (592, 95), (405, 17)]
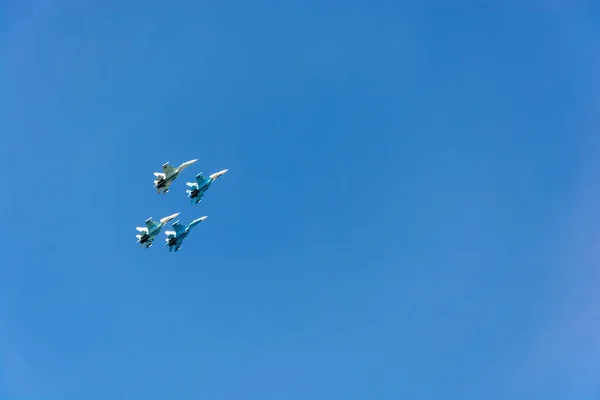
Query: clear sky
[(411, 210)]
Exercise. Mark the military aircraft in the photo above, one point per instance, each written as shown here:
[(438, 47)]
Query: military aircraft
[(152, 229), (174, 238), (168, 175), (201, 186)]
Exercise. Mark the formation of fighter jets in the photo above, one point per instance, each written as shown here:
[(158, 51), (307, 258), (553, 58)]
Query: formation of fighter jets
[(180, 231)]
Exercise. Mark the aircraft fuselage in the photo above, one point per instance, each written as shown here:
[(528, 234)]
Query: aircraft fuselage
[(150, 234), (198, 191), (162, 182), (179, 238)]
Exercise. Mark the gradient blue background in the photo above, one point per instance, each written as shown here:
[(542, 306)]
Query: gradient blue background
[(411, 210)]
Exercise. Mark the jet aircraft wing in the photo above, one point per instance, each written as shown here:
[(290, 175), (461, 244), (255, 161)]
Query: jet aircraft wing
[(168, 169), (178, 227), (200, 179)]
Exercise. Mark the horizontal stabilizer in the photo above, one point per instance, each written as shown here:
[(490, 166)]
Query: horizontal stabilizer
[(140, 229), (170, 233), (191, 184), (160, 175)]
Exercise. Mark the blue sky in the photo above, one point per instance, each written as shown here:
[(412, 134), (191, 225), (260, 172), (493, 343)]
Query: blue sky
[(410, 213)]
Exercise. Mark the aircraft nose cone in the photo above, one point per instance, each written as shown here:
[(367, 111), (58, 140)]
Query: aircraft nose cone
[(218, 174), (169, 218)]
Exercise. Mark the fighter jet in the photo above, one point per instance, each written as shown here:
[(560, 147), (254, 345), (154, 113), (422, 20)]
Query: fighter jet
[(201, 186), (174, 238), (168, 175), (152, 229)]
